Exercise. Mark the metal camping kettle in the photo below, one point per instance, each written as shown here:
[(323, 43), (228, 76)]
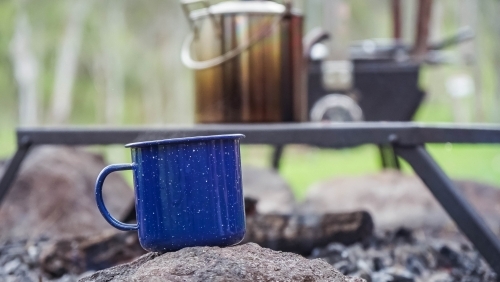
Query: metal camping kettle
[(248, 60)]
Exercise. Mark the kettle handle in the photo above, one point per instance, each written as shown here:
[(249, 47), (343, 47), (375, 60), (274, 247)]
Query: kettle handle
[(201, 65), (185, 7), (314, 36)]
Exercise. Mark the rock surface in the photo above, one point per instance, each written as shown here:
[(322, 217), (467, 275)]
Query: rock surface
[(398, 200), (54, 195), (272, 192), (247, 262)]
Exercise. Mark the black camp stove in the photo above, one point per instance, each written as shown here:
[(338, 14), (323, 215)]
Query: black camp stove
[(378, 89), (379, 82), (381, 90)]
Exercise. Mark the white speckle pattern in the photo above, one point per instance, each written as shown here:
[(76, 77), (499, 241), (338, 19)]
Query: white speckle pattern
[(189, 194)]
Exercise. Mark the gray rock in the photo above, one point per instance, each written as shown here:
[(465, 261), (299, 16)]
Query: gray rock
[(272, 192), (11, 266), (247, 262), (398, 200), (54, 195)]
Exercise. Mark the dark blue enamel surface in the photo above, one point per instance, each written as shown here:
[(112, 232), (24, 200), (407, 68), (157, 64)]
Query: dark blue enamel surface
[(189, 193)]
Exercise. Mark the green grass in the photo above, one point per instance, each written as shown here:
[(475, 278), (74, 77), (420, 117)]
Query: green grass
[(475, 162), (302, 167), (7, 142)]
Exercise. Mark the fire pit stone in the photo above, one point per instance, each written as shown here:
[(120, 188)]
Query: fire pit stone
[(247, 262), (54, 195)]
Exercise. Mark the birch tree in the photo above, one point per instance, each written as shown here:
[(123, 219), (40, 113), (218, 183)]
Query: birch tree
[(113, 69), (67, 61), (25, 67)]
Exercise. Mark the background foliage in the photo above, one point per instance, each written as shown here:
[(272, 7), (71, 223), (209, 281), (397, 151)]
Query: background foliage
[(128, 71)]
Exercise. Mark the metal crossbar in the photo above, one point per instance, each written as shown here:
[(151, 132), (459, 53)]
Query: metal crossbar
[(336, 135), (407, 140)]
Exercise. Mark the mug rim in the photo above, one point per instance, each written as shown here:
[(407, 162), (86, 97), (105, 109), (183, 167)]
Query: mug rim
[(184, 139)]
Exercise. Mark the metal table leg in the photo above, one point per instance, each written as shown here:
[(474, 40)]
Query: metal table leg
[(12, 169), (388, 157), (465, 216), (276, 158)]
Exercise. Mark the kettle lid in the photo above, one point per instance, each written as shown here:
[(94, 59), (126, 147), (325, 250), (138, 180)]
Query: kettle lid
[(239, 7)]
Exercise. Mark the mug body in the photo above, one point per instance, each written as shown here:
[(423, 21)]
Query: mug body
[(188, 192)]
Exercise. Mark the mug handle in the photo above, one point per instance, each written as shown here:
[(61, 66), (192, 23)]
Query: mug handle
[(100, 202)]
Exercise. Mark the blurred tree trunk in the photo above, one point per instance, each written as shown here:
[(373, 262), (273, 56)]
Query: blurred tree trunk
[(491, 9), (336, 15), (25, 66), (152, 94), (111, 33), (178, 81), (151, 70), (312, 7), (468, 15), (422, 29), (409, 16), (67, 61), (496, 41)]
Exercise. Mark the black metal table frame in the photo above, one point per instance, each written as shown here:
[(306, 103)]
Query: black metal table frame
[(407, 140)]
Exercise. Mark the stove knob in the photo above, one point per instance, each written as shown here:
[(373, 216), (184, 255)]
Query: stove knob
[(337, 108)]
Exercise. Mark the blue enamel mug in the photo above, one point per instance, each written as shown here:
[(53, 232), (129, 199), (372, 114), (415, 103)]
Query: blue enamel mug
[(188, 192)]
